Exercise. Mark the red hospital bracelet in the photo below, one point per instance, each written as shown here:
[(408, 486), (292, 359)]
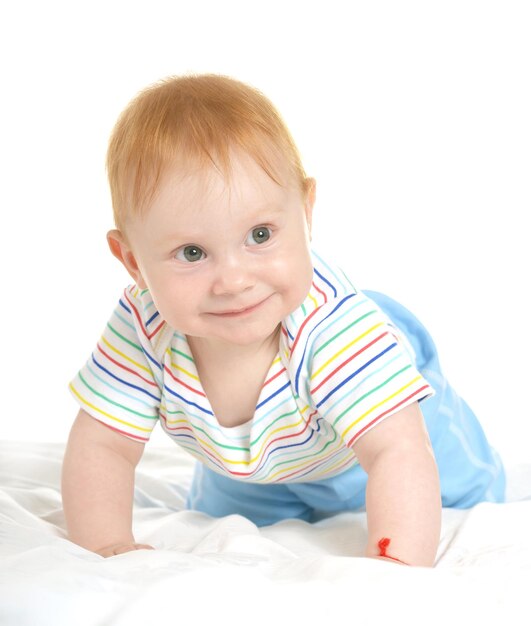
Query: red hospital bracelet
[(382, 544)]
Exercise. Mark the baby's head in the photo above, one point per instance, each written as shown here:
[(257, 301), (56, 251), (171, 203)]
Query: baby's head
[(197, 165), (195, 121)]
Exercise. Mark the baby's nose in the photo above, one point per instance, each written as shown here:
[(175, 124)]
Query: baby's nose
[(233, 276)]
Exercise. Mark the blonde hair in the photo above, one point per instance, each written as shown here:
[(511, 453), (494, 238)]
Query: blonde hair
[(199, 119)]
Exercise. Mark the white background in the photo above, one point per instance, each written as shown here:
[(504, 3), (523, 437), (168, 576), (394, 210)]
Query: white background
[(413, 116)]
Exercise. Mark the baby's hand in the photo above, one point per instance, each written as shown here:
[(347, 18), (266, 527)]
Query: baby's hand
[(121, 548)]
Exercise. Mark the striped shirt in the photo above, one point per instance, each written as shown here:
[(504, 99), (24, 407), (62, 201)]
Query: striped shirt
[(341, 368)]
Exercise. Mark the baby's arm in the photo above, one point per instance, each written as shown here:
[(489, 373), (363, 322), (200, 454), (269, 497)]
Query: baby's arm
[(98, 487), (403, 493)]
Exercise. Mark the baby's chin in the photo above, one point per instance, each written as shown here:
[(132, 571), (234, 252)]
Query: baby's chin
[(242, 339)]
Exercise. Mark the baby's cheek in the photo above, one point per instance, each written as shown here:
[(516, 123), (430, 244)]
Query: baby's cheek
[(305, 279), (291, 276), (169, 308), (299, 287)]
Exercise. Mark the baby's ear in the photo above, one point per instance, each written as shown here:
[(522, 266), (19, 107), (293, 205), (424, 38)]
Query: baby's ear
[(121, 249), (310, 201)]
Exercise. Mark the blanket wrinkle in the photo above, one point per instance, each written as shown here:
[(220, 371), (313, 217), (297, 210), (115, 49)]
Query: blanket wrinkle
[(483, 562)]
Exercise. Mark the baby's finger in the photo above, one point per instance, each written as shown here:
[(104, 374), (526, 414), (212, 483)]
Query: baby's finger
[(143, 546), (123, 548)]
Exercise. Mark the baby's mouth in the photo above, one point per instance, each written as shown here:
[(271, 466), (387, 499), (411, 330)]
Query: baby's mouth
[(241, 311)]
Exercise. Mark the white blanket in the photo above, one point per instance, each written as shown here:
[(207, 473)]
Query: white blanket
[(231, 572)]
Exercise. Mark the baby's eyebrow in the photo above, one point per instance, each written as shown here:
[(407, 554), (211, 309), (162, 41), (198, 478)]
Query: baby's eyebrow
[(269, 209)]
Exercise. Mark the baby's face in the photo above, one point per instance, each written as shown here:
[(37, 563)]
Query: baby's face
[(224, 262)]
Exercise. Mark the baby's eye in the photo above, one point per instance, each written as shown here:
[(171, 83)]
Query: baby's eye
[(260, 234), (189, 253)]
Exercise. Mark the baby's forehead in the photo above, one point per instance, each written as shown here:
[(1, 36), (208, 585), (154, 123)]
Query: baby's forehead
[(193, 182)]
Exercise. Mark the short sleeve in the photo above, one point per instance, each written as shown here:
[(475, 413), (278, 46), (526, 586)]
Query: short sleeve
[(120, 383), (360, 367)]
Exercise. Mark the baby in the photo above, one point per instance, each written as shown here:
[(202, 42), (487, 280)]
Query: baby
[(299, 395)]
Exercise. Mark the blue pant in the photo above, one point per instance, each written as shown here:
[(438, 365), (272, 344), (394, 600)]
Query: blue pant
[(470, 470)]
